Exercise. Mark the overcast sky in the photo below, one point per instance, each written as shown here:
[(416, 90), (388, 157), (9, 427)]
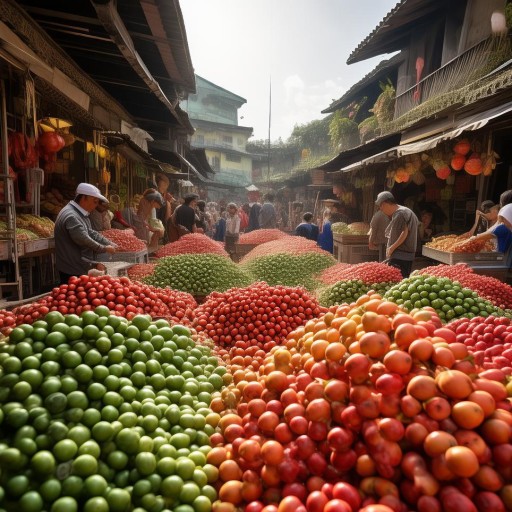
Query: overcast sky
[(300, 46)]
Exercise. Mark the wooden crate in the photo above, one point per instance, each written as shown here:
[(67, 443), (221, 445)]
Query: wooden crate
[(42, 244), (357, 254), (345, 239), (452, 258)]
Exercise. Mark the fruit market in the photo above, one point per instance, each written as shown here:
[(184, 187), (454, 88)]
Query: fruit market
[(344, 345)]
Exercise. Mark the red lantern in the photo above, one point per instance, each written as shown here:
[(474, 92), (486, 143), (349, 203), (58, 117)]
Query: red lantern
[(443, 173), (457, 162), (473, 165)]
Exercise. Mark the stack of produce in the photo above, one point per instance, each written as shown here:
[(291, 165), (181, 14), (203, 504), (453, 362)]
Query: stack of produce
[(98, 413), (23, 235), (449, 298), (369, 272), (41, 226), (288, 245), (489, 340), (490, 288), (259, 314), (140, 270), (365, 409), (197, 274), (349, 290), (119, 295), (53, 202), (356, 228), (193, 243), (125, 240), (7, 322), (289, 269), (261, 236), (458, 244)]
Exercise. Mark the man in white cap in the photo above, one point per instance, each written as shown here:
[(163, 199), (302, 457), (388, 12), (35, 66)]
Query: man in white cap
[(401, 232), (75, 240)]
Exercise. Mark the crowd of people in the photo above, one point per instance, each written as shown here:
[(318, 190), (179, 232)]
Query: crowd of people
[(156, 217)]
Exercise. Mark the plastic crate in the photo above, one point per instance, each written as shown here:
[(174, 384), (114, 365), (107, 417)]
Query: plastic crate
[(357, 254), (129, 257)]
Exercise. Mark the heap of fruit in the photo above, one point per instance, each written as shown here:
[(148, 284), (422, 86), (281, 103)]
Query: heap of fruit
[(495, 291), (42, 226), (489, 340), (447, 297), (289, 269), (98, 413), (140, 270), (460, 243), (119, 295), (261, 236), (192, 243), (197, 274), (369, 272), (348, 291), (259, 314), (288, 245), (125, 240), (366, 408), (356, 228)]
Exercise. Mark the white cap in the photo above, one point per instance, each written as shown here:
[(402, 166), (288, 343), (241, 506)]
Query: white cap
[(506, 213), (90, 190)]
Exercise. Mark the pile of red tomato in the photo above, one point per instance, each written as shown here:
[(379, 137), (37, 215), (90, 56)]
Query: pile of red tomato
[(125, 240), (369, 272), (192, 243)]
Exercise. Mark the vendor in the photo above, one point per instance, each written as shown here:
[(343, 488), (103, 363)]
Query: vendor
[(101, 217), (75, 239), (501, 232), (485, 218)]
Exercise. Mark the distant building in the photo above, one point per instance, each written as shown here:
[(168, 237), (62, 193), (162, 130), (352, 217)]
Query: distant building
[(213, 112)]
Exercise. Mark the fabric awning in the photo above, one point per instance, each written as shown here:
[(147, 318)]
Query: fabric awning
[(467, 124)]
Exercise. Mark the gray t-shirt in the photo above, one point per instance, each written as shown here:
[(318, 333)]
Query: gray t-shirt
[(378, 225), (402, 218)]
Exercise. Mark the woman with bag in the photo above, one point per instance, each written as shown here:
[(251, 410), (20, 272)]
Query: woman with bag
[(183, 220)]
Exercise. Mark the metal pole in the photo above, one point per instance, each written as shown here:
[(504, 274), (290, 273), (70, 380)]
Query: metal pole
[(269, 124)]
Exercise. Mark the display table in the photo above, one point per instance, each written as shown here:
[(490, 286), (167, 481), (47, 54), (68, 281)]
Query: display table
[(353, 248)]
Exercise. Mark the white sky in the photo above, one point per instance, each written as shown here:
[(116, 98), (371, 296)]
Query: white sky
[(300, 45)]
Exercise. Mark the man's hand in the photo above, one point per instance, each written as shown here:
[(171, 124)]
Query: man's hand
[(389, 252), (101, 267), (110, 249)]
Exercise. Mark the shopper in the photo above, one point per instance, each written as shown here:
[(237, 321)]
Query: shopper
[(100, 217), (268, 215), (377, 236), (401, 233), (219, 231), (325, 238), (485, 218), (506, 198), (75, 240), (232, 228), (254, 216), (307, 228), (203, 219), (183, 220)]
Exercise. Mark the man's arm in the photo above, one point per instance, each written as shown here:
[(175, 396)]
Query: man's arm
[(399, 241)]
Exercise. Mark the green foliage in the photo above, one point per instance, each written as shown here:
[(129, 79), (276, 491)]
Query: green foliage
[(313, 136), (343, 132), (368, 128), (384, 108)]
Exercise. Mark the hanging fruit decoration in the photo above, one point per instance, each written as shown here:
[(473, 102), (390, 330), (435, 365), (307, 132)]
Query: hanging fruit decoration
[(457, 162), (51, 142), (443, 172), (473, 165), (489, 163), (418, 178), (401, 175), (462, 147), (23, 151)]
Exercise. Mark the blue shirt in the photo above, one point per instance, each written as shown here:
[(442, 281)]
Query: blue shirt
[(307, 230), (503, 236), (325, 240)]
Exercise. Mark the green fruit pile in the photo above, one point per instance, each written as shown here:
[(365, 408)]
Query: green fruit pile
[(289, 269), (348, 291), (98, 413), (449, 298), (198, 274)]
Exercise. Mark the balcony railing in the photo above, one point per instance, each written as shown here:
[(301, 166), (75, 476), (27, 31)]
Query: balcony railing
[(455, 74)]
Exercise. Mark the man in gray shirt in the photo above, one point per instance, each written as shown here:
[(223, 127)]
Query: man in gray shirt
[(377, 240), (401, 233), (268, 214), (75, 240)]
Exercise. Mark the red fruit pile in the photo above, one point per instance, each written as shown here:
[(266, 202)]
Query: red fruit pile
[(120, 295), (7, 322), (259, 314), (125, 240), (365, 408), (488, 339), (288, 245), (140, 270), (495, 291), (261, 236), (369, 272), (193, 243)]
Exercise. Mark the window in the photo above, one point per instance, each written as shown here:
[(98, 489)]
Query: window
[(216, 162), (227, 138), (233, 158), (200, 139)]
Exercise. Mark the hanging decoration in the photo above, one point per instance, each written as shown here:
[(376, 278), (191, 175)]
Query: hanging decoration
[(473, 165)]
